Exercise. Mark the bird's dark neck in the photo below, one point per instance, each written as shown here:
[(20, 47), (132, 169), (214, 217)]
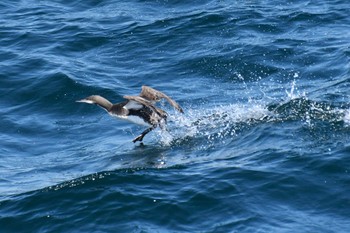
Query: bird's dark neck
[(102, 102)]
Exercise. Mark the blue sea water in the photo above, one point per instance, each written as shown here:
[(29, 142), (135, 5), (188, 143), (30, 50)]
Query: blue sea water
[(263, 145)]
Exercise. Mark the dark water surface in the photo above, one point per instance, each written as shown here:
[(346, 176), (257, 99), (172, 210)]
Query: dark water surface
[(263, 145)]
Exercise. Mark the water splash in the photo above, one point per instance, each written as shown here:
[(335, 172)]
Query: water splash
[(212, 124), (294, 92), (346, 117), (208, 125)]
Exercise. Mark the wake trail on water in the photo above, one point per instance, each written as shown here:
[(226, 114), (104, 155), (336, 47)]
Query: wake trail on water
[(225, 121)]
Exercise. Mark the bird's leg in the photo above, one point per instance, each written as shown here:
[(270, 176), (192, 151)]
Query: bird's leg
[(140, 137)]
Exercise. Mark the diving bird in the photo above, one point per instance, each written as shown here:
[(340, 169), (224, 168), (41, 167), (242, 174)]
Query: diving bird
[(139, 109)]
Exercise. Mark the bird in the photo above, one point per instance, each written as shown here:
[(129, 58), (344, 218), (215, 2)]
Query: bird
[(139, 109)]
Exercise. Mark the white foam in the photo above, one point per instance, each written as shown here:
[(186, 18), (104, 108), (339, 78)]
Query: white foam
[(223, 121), (347, 117), (166, 138), (214, 123)]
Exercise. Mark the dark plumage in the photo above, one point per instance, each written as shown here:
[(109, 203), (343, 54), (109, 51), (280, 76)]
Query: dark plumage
[(137, 109)]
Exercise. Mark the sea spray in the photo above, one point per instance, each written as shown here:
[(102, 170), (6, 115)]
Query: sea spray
[(220, 123), (215, 123)]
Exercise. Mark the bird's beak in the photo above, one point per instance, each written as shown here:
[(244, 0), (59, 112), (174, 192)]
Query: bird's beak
[(85, 101)]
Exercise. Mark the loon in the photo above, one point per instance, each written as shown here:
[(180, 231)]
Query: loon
[(139, 109)]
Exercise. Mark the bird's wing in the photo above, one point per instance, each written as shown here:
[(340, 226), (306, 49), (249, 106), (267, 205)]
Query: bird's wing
[(138, 100), (131, 104), (151, 94)]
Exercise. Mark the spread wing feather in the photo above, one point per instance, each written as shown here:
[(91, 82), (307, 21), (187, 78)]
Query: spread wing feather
[(133, 105), (151, 94), (145, 102)]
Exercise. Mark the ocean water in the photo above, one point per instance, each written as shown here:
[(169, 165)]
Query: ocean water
[(263, 145)]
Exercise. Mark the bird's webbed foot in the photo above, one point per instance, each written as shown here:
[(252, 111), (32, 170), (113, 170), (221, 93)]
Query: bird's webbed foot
[(142, 135)]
